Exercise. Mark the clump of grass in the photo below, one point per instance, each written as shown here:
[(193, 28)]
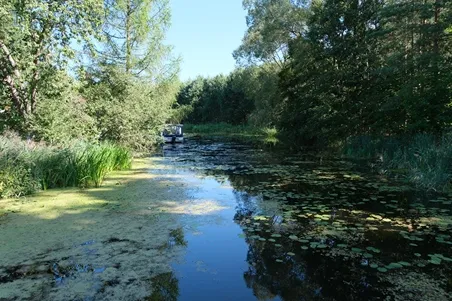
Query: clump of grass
[(425, 159), (26, 166)]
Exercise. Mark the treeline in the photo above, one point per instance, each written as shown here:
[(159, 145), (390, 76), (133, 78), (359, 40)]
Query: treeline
[(324, 71), (86, 70), (247, 95)]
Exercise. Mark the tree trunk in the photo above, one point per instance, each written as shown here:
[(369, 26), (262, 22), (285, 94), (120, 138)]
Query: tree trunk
[(15, 90), (128, 37)]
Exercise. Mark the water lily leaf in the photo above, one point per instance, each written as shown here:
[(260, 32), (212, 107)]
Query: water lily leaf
[(279, 260), (417, 254), (374, 265), (290, 254), (304, 247), (293, 237), (357, 250), (404, 263), (394, 265), (435, 261), (342, 245), (276, 235), (383, 270), (368, 255), (321, 246)]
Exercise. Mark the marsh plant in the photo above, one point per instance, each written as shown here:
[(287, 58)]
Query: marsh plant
[(26, 166), (424, 159)]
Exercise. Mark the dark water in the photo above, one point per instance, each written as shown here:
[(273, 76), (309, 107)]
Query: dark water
[(303, 227)]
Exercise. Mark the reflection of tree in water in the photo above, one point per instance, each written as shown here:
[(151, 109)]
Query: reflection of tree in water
[(165, 287), (310, 275), (269, 278)]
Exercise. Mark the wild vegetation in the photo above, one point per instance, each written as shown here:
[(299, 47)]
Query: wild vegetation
[(73, 71), (331, 72), (78, 80), (27, 166)]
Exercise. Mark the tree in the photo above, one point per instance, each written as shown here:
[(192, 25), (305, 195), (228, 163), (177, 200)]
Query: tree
[(35, 40), (272, 24), (134, 31)]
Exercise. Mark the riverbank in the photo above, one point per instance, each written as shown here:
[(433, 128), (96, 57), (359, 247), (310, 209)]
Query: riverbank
[(244, 133), (422, 160), (106, 243)]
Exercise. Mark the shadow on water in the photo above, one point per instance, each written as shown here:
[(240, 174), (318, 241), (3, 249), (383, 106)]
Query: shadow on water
[(319, 229)]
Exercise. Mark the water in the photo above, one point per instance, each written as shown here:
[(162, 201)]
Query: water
[(302, 227)]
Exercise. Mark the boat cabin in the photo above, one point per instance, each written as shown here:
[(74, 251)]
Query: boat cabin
[(173, 133)]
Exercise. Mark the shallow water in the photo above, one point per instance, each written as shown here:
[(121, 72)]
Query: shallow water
[(301, 227)]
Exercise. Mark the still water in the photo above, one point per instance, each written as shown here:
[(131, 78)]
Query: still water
[(304, 227)]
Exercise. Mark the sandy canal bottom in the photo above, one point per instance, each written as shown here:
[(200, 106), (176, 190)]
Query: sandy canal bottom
[(112, 243)]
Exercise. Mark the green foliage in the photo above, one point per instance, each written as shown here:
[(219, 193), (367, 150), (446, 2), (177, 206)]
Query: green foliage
[(425, 159), (124, 90), (134, 31), (61, 113), (27, 166), (272, 24), (127, 109), (369, 68), (36, 38)]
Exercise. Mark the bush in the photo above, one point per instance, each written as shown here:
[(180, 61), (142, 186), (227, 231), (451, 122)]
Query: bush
[(26, 166)]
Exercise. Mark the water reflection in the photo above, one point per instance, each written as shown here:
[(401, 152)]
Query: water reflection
[(324, 230), (164, 287)]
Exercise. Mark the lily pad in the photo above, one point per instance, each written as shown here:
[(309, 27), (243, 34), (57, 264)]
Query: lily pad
[(383, 270)]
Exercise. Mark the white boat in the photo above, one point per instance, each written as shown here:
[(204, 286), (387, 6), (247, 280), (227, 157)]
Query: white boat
[(173, 133)]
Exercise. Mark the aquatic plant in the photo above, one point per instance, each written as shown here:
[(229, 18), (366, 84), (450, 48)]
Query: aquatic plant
[(424, 160), (26, 167)]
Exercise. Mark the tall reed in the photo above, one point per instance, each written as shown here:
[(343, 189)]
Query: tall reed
[(26, 166)]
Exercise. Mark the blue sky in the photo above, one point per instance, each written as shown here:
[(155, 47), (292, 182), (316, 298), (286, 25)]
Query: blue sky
[(205, 33)]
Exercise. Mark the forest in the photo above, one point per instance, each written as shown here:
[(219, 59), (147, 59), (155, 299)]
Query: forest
[(329, 70)]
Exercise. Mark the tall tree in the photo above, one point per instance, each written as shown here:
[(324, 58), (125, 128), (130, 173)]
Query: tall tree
[(271, 25), (134, 31), (36, 37)]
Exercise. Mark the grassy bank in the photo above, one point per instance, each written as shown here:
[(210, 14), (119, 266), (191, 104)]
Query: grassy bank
[(243, 132), (425, 160), (26, 167)]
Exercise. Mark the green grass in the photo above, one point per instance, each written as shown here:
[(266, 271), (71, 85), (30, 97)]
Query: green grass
[(424, 159), (245, 132), (26, 167)]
